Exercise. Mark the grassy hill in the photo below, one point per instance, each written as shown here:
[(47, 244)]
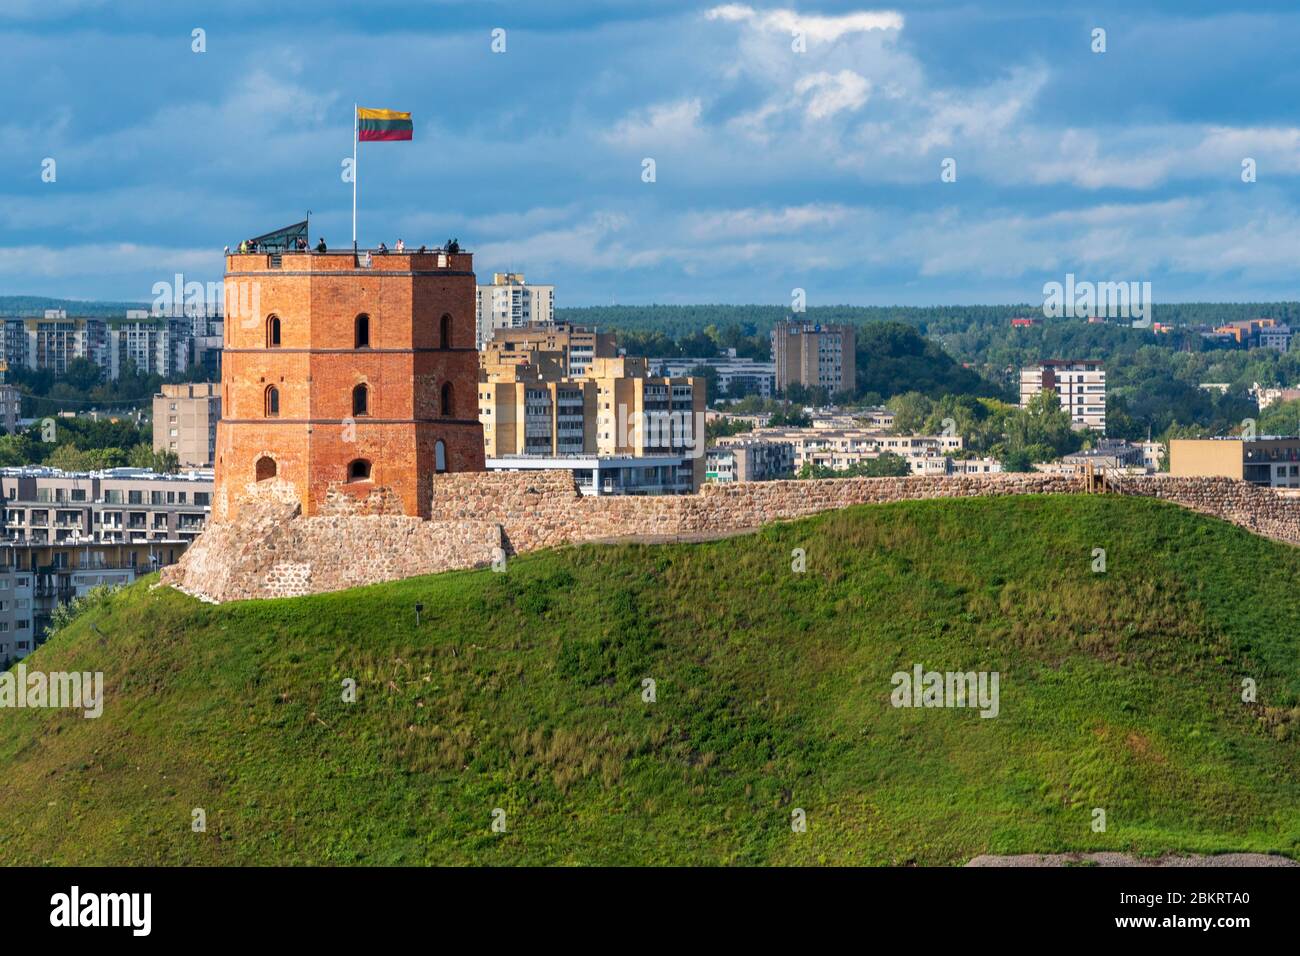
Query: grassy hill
[(522, 691)]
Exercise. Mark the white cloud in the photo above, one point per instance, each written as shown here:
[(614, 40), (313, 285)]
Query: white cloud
[(833, 92), (815, 28), (107, 260), (716, 225), (664, 124)]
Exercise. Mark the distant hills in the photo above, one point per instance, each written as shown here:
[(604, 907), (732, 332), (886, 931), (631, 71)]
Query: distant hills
[(35, 305)]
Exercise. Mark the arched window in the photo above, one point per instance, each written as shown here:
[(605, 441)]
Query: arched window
[(265, 468), (273, 332), (444, 333), (362, 332), (446, 399), (439, 457), (359, 470), (272, 409), (360, 400)]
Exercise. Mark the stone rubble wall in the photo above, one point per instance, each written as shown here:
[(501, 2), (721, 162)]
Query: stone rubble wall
[(271, 550)]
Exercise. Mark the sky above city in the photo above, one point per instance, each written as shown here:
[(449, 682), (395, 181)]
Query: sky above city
[(793, 147)]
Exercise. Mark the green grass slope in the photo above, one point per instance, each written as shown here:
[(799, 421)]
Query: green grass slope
[(523, 691)]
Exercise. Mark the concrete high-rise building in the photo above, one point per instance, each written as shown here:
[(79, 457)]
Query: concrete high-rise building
[(185, 422), (573, 347), (511, 303), (359, 376), (11, 404), (55, 340), (15, 342), (815, 356), (618, 429), (155, 346), (1080, 383)]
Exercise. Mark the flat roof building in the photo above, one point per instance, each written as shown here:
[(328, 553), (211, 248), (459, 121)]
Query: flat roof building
[(815, 356), (1080, 383), (1272, 462), (185, 422)]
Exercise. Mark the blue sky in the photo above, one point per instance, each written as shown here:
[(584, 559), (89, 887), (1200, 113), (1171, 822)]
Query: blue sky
[(775, 169)]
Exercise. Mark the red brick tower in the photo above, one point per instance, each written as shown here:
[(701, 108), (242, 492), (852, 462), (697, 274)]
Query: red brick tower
[(337, 375)]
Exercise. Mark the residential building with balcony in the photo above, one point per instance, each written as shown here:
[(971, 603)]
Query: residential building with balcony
[(736, 377), (117, 506), (573, 347), (752, 460), (1080, 383), (618, 429), (155, 346), (55, 340)]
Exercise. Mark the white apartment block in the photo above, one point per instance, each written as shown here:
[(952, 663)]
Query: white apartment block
[(840, 448), (154, 346), (511, 303), (736, 376), (1081, 385), (17, 632)]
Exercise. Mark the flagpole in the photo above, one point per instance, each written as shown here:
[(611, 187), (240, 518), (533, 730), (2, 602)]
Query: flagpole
[(354, 178)]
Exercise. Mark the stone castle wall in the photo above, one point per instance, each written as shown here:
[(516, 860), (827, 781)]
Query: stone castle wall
[(271, 550)]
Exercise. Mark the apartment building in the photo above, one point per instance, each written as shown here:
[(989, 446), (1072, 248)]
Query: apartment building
[(1081, 385), (18, 633), (814, 355), (735, 376), (1272, 462), (841, 448), (620, 430), (1276, 337), (155, 346), (36, 578), (511, 303), (751, 460), (15, 342), (118, 506), (572, 346), (11, 406), (55, 340), (185, 422), (63, 533)]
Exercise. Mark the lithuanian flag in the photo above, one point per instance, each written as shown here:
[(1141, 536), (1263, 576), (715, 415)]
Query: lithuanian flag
[(382, 125)]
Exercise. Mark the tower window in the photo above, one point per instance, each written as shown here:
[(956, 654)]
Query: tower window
[(359, 470), (273, 332), (446, 399), (362, 332), (360, 400), (444, 332), (440, 457), (265, 468), (272, 402)]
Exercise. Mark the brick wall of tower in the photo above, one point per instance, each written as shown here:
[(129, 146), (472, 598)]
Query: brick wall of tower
[(316, 367)]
